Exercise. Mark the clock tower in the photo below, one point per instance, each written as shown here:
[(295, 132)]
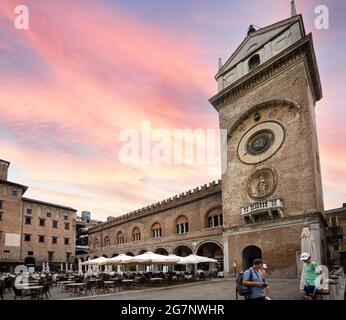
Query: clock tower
[(271, 189)]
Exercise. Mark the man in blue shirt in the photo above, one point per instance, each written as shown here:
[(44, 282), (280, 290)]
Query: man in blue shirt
[(254, 281)]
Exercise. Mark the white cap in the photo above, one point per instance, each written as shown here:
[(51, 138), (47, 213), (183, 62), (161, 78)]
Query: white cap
[(264, 266), (304, 256)]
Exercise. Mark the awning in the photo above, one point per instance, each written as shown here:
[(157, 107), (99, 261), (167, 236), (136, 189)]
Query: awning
[(11, 261)]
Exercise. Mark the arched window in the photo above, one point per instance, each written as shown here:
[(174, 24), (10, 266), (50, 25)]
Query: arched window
[(182, 225), (254, 62), (107, 242), (214, 219), (156, 230), (120, 238), (96, 243), (136, 235)]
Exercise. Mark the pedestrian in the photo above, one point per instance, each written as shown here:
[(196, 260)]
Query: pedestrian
[(312, 276), (255, 282), (264, 273)]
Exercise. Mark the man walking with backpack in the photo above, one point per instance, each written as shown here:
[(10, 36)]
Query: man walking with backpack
[(253, 280)]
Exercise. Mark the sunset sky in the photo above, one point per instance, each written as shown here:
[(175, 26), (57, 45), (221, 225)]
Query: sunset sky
[(86, 70)]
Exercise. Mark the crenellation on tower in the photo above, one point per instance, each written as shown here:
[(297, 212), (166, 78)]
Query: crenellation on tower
[(4, 165)]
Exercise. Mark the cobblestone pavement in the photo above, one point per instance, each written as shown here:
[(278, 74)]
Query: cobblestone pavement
[(280, 289)]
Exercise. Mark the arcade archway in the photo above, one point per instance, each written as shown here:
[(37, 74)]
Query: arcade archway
[(29, 261), (182, 251), (249, 255), (162, 251), (211, 250)]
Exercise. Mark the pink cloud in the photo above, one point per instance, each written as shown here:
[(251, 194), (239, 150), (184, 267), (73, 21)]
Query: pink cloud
[(105, 71)]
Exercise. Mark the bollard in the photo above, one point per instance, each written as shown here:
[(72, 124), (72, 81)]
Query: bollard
[(337, 286), (332, 289), (322, 294)]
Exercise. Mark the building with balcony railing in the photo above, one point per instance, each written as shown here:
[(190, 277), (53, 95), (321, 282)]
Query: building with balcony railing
[(270, 209)]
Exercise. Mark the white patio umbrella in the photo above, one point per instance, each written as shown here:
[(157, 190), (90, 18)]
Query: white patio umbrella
[(66, 267), (94, 261), (194, 259), (80, 271), (43, 267), (153, 258), (89, 271), (307, 245), (118, 260), (47, 268), (61, 267), (71, 267), (150, 258), (95, 268)]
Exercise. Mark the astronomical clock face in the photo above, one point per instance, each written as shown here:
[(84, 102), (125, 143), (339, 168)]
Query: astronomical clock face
[(261, 142)]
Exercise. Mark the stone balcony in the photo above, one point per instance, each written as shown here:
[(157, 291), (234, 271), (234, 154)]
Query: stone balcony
[(262, 209)]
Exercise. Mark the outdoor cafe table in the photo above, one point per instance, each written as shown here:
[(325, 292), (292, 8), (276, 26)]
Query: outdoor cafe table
[(33, 290), (76, 287), (109, 283), (128, 282), (155, 280), (64, 283)]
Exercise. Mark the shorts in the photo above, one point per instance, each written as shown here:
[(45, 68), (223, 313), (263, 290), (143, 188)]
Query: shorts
[(310, 291)]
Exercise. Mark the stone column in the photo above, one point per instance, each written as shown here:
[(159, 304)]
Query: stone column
[(225, 256)]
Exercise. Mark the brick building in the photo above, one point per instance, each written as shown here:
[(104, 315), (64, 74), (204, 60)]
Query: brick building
[(32, 231), (337, 229), (271, 188), (188, 223)]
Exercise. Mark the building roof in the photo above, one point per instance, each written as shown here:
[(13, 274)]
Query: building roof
[(1, 160), (49, 204), (258, 39), (21, 186), (336, 211)]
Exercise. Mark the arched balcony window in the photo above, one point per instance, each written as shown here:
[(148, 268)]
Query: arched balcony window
[(182, 225), (120, 238), (156, 230), (136, 235), (214, 219), (107, 242)]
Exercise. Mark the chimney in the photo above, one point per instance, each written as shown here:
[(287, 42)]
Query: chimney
[(4, 169), (220, 64), (293, 8)]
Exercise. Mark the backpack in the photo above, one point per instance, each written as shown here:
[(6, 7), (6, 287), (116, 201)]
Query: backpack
[(242, 290)]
